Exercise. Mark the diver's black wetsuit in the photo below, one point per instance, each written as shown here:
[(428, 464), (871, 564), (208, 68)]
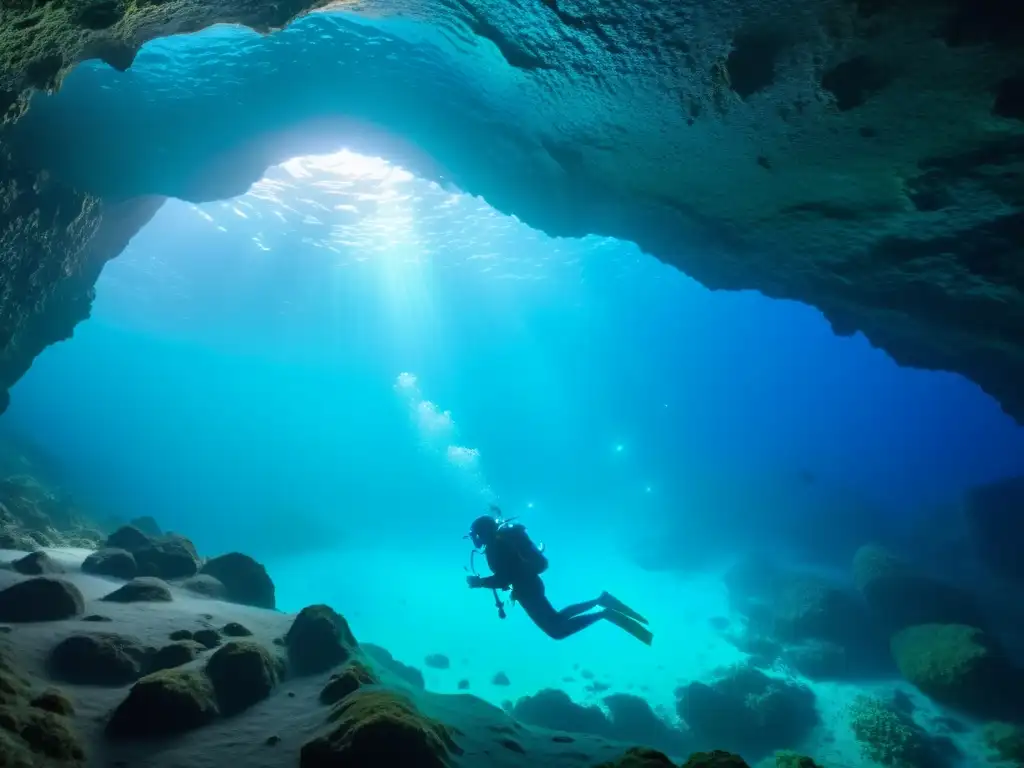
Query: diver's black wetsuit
[(528, 590)]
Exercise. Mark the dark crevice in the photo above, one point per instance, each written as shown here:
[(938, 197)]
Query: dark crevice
[(751, 64), (854, 81), (980, 22), (1010, 98)]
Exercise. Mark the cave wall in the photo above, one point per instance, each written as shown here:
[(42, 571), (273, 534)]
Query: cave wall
[(863, 156)]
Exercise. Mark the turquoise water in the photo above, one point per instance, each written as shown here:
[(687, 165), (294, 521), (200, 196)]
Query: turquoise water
[(337, 371)]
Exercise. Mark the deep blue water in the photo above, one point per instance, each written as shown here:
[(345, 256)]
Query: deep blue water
[(241, 361)]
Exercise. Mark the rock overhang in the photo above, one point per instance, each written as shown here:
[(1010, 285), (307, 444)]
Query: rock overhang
[(862, 157)]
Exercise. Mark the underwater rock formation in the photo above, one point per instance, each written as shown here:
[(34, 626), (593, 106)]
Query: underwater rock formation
[(35, 730), (37, 564), (900, 597), (143, 589), (164, 704), (98, 659), (383, 657), (111, 561), (960, 666), (889, 735), (349, 680), (175, 654), (858, 156), (318, 640), (746, 710), (244, 580), (42, 598), (817, 627), (242, 673), (380, 728)]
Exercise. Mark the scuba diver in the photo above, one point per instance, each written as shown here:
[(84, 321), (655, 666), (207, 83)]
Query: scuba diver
[(516, 563)]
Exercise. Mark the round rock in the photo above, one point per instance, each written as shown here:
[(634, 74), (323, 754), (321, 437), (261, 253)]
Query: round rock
[(246, 580), (37, 564), (41, 599), (98, 659), (144, 589), (118, 563)]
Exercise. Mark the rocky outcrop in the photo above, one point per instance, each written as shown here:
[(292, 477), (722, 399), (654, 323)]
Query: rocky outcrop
[(318, 640), (860, 156), (747, 710), (245, 581), (164, 704), (242, 673), (380, 727), (111, 561), (962, 667)]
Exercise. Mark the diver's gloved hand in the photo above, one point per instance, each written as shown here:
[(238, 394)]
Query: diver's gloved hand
[(474, 582)]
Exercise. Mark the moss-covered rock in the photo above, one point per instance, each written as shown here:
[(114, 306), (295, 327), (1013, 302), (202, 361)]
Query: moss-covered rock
[(41, 599), (640, 757), (33, 730), (318, 640), (143, 589), (900, 597), (246, 581), (206, 586), (98, 659), (168, 557), (110, 561), (234, 629), (208, 637), (175, 654), (54, 700), (747, 711), (349, 680), (960, 666), (37, 564), (165, 703), (714, 759), (889, 736), (242, 673), (793, 760), (378, 727)]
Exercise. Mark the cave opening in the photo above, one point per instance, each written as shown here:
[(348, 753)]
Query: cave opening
[(346, 286)]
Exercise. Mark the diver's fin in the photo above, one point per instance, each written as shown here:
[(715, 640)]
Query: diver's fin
[(637, 630), (607, 601)]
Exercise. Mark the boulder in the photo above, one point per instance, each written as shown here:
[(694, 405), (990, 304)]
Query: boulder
[(900, 597), (404, 672), (960, 666), (165, 703), (176, 654), (128, 538), (812, 608), (234, 629), (207, 586), (746, 711), (144, 589), (42, 598), (995, 519), (889, 736), (378, 727), (208, 638), (243, 673), (146, 525), (37, 564), (118, 563), (553, 709), (642, 757), (349, 680), (98, 659), (169, 557), (246, 580), (53, 700), (318, 640)]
